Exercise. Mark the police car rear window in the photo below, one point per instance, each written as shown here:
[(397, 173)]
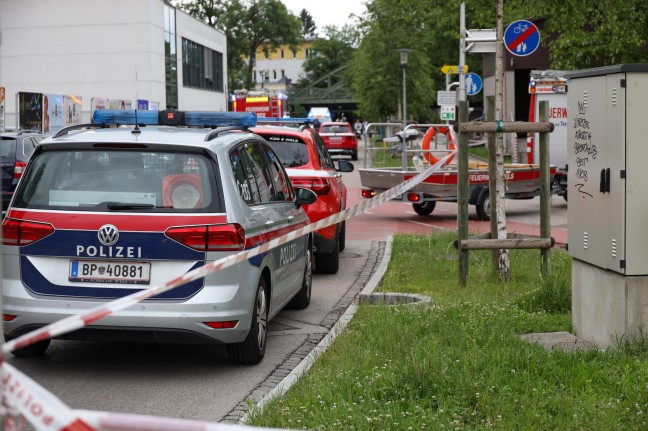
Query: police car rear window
[(291, 150), (119, 180)]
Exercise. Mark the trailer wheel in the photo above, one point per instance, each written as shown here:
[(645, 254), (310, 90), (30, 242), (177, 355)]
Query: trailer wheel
[(424, 208), (483, 205)]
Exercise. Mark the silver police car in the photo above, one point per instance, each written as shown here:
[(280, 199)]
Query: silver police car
[(104, 211)]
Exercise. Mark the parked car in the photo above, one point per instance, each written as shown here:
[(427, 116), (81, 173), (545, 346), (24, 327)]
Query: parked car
[(103, 212), (309, 165), (15, 150), (339, 139)]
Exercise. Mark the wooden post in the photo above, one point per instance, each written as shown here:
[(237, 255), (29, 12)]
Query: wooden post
[(545, 191), (462, 193)]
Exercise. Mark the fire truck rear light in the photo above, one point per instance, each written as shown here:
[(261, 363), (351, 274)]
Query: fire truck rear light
[(19, 232), (19, 168), (368, 193), (223, 237), (413, 197), (320, 186), (8, 317), (228, 324)]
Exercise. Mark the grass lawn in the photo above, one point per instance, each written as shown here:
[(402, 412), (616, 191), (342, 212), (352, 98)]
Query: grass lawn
[(459, 364)]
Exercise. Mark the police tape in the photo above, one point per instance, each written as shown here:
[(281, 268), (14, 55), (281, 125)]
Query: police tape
[(46, 412), (27, 400)]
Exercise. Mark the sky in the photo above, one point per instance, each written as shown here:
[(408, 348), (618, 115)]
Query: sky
[(327, 12)]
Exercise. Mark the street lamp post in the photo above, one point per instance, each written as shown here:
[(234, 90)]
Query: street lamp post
[(403, 62)]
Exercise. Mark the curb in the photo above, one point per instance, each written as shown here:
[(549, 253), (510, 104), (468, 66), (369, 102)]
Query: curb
[(306, 363)]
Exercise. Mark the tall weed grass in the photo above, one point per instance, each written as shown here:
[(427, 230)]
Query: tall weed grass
[(459, 363)]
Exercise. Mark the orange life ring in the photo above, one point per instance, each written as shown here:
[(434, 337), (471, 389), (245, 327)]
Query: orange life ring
[(427, 139)]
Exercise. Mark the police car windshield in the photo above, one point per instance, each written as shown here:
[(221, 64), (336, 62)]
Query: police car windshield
[(111, 179)]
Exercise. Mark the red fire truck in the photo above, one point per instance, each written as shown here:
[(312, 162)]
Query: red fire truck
[(262, 102)]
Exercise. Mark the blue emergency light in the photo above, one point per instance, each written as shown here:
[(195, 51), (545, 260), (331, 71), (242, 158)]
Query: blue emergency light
[(289, 120), (171, 117)]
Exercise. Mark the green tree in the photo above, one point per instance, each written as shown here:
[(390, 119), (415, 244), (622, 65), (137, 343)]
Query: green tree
[(309, 28), (430, 28), (248, 24), (595, 33), (329, 53)]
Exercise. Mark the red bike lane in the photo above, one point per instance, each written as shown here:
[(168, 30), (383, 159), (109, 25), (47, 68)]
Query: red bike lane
[(395, 217)]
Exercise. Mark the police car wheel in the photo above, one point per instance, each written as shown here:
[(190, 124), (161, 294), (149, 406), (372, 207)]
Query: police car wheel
[(31, 351), (302, 299), (251, 350)]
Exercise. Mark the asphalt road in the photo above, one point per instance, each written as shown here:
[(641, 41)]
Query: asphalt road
[(197, 382)]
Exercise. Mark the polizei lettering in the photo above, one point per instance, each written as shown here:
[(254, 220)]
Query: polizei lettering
[(287, 254), (101, 251)]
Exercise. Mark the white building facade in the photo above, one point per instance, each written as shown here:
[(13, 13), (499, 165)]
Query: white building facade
[(125, 50)]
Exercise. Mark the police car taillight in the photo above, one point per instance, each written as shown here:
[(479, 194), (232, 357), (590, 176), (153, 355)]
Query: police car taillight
[(19, 232), (222, 237)]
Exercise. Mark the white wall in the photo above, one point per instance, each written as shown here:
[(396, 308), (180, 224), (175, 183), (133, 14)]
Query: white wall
[(191, 98), (96, 48)]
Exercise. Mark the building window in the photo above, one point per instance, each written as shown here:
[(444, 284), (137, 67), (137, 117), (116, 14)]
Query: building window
[(274, 75), (308, 53), (281, 53), (170, 57), (283, 73), (294, 51), (201, 67)]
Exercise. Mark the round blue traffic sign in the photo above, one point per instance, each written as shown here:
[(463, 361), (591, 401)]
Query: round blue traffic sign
[(473, 84), (522, 38)]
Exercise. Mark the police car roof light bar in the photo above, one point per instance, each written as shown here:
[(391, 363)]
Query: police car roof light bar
[(171, 117), (285, 120)]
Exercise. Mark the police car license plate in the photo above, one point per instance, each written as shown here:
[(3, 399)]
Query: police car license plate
[(110, 272)]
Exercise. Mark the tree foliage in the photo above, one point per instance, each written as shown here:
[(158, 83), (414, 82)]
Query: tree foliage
[(330, 52), (595, 33), (248, 24), (309, 29)]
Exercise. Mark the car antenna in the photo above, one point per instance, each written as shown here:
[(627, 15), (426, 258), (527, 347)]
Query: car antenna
[(136, 130)]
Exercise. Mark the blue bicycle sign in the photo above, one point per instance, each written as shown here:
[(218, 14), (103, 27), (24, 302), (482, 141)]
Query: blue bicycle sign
[(522, 38)]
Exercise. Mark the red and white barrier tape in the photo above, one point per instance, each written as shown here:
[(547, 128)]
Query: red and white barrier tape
[(46, 412), (26, 399)]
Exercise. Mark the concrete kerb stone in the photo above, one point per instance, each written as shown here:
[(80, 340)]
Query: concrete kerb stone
[(366, 295)]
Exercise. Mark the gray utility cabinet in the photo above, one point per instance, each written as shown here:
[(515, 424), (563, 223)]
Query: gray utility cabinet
[(607, 156)]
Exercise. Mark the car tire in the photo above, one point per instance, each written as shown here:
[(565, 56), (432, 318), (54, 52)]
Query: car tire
[(302, 299), (354, 155), (483, 206), (251, 350), (342, 236), (328, 263), (31, 351), (425, 208)]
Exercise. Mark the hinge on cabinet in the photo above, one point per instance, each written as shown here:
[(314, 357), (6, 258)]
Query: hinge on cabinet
[(623, 83), (623, 173), (622, 264)]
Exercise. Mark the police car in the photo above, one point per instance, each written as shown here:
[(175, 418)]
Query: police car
[(106, 209)]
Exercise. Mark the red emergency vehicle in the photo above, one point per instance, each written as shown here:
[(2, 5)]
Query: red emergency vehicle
[(263, 102)]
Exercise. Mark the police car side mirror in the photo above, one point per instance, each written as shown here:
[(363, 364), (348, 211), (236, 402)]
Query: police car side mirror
[(305, 197), (345, 166)]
